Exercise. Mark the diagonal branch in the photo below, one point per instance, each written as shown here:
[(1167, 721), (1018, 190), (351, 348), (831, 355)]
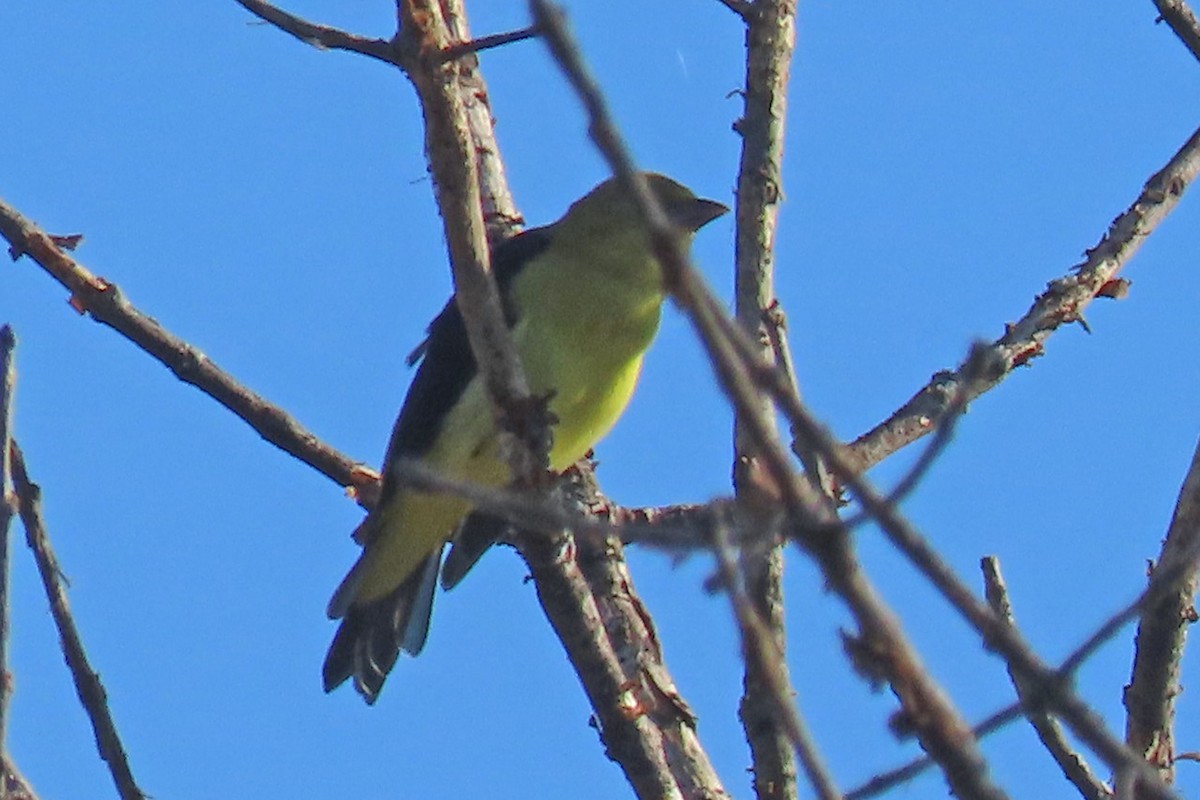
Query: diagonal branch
[(764, 656), (1182, 20), (8, 507), (1162, 581), (450, 150), (1162, 631), (87, 682), (324, 37), (1063, 302), (743, 8), (1048, 683), (321, 37), (1048, 730), (488, 42), (106, 304), (587, 592)]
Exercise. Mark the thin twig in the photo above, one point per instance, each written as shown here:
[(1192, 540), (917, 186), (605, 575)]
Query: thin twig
[(487, 42), (107, 305), (743, 8), (321, 37), (1005, 640), (87, 682), (937, 724), (944, 433), (775, 324), (759, 643), (1063, 302), (525, 509), (1162, 632), (1074, 767), (680, 530), (1163, 579), (884, 781), (8, 379), (1182, 20)]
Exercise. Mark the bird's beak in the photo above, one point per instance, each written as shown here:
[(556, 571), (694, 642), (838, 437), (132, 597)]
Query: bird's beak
[(695, 214)]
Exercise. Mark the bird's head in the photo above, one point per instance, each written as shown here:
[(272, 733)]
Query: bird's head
[(610, 206)]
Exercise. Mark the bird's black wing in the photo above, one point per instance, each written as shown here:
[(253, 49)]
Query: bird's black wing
[(447, 363), (371, 635)]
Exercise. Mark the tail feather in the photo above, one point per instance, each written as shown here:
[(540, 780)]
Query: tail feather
[(477, 533), (371, 635), (343, 595)]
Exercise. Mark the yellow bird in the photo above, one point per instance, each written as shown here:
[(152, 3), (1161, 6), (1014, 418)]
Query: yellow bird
[(583, 297)]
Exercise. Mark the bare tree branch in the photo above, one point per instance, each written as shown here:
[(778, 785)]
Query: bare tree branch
[(761, 649), (500, 214), (107, 304), (974, 368), (1074, 767), (1163, 579), (8, 379), (1063, 302), (1182, 20), (321, 37), (450, 149), (587, 592), (15, 785), (1046, 682), (1162, 631), (775, 325), (488, 42), (87, 682), (770, 41), (743, 8)]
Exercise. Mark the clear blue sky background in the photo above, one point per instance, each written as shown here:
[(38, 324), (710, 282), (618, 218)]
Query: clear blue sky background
[(269, 203)]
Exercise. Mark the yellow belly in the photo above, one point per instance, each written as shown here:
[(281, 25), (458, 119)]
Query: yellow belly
[(586, 404)]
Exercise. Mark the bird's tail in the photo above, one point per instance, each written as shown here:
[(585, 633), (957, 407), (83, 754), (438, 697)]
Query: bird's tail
[(478, 532), (372, 634)]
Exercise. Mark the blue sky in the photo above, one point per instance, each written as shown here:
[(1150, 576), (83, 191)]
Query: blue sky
[(269, 203)]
